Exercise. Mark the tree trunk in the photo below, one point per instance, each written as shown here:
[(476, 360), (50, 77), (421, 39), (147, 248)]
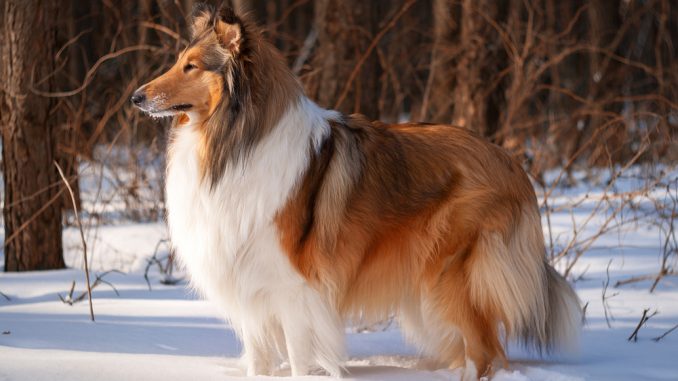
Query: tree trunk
[(345, 30), (437, 104), (404, 51), (604, 79), (32, 208), (473, 106)]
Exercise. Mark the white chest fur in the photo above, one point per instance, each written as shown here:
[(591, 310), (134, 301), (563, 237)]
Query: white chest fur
[(214, 230), (228, 242)]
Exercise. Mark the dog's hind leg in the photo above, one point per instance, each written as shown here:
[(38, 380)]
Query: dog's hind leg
[(436, 339), (449, 304)]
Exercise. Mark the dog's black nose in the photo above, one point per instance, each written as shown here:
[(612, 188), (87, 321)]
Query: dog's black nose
[(138, 98)]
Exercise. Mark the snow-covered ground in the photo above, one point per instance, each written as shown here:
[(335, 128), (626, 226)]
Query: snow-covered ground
[(168, 334)]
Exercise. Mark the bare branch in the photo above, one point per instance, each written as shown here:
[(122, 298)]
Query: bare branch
[(82, 237)]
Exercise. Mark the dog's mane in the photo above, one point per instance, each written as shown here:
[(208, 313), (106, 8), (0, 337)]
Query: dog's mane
[(258, 89)]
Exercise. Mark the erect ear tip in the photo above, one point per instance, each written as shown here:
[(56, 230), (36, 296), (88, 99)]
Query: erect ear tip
[(227, 15)]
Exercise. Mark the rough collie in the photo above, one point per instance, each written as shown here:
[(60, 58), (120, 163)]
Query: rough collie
[(294, 219)]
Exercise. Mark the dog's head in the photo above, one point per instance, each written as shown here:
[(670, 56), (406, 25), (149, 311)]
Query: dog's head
[(229, 81), (195, 84)]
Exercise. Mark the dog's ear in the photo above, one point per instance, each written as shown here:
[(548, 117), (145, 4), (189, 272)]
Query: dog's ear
[(202, 18), (229, 29)]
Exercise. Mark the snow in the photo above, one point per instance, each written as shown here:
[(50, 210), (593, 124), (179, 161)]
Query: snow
[(167, 333)]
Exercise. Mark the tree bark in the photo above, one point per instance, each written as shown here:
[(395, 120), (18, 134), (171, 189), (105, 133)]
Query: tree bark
[(32, 208)]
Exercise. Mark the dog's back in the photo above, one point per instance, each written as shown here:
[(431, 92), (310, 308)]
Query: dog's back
[(438, 225)]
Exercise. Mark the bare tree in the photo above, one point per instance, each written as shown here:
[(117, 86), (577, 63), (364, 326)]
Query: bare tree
[(345, 30), (437, 105), (32, 207)]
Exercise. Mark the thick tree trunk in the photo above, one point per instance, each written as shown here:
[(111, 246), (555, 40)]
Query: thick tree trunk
[(32, 208), (345, 30)]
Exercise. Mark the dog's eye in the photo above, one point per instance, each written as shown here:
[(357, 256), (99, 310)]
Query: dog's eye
[(189, 67)]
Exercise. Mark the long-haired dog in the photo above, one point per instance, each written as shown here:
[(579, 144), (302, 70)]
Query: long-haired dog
[(294, 219)]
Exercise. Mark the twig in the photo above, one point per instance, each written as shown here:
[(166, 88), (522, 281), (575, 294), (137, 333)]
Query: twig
[(286, 13), (585, 244), (634, 279), (152, 260), (34, 216), (82, 237), (91, 72), (69, 297), (665, 333), (167, 269), (164, 29), (666, 224), (670, 242), (606, 307), (368, 51), (71, 42), (70, 300), (643, 320), (99, 280), (5, 296)]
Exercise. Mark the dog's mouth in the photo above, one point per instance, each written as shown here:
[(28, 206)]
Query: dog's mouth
[(182, 107), (170, 111)]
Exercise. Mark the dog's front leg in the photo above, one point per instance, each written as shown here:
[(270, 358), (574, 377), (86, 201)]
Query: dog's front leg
[(313, 333), (256, 356), (299, 344)]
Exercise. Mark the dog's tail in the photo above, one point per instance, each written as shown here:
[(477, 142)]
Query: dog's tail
[(564, 315), (536, 304)]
